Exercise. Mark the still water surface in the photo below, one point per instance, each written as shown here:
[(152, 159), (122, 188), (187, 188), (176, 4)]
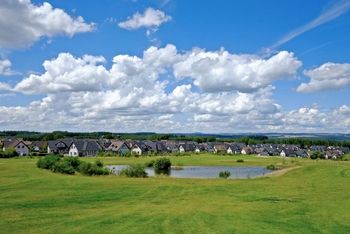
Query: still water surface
[(204, 171)]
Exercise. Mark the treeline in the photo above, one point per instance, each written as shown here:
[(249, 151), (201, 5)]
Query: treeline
[(251, 139), (303, 142)]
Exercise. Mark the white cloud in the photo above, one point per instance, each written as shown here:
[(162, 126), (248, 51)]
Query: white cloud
[(336, 10), (313, 119), (222, 71), (5, 67), (4, 86), (326, 77), (22, 23), (142, 94), (150, 19), (66, 73)]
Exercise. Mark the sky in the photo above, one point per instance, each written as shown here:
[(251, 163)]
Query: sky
[(175, 66)]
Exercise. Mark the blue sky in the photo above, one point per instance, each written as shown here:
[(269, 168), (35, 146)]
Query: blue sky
[(305, 89)]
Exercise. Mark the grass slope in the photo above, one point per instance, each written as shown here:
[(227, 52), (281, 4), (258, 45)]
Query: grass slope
[(313, 198)]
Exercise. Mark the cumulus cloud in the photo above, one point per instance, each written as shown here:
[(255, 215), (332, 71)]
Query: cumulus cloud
[(5, 67), (313, 119), (222, 71), (22, 23), (66, 73), (142, 94), (326, 77), (150, 19)]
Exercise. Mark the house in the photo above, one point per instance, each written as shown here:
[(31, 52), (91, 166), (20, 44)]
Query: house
[(20, 146), (333, 154), (119, 147), (140, 148), (157, 147), (38, 146), (104, 143), (220, 148), (187, 147), (209, 147), (84, 148), (302, 153), (161, 148), (200, 148), (171, 146), (288, 153), (319, 148), (247, 150), (237, 147), (59, 146)]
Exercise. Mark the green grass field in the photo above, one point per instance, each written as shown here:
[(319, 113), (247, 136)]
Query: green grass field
[(313, 198)]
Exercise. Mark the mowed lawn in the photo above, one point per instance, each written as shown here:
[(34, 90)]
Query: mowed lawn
[(312, 198)]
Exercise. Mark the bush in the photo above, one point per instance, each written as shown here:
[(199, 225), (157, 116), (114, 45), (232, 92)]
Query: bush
[(224, 174), (70, 165), (240, 160), (134, 171), (73, 161), (162, 164), (271, 167), (90, 169), (317, 154), (8, 153), (47, 162), (150, 163), (64, 167)]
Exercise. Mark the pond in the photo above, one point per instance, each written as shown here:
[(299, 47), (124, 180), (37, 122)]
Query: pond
[(204, 172)]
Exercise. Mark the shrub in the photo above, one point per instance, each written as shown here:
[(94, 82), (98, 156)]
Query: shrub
[(271, 167), (162, 165), (224, 174), (99, 163), (149, 163), (134, 171), (47, 162), (64, 167), (240, 160), (317, 154), (8, 153), (90, 169), (73, 161)]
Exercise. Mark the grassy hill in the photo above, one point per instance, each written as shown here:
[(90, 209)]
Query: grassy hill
[(312, 198)]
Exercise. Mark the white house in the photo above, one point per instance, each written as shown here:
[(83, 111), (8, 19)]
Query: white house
[(73, 151), (21, 148)]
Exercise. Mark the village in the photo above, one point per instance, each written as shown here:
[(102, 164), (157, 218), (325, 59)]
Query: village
[(97, 147)]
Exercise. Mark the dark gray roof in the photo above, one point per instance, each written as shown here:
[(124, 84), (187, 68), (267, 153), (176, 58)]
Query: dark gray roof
[(55, 143), (87, 145), (188, 146)]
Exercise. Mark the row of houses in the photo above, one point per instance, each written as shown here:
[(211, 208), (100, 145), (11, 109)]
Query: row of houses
[(91, 147)]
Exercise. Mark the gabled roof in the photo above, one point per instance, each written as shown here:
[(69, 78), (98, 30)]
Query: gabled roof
[(116, 145), (12, 143), (289, 152), (188, 146), (53, 144), (86, 145), (221, 147), (141, 145), (248, 149), (39, 144)]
